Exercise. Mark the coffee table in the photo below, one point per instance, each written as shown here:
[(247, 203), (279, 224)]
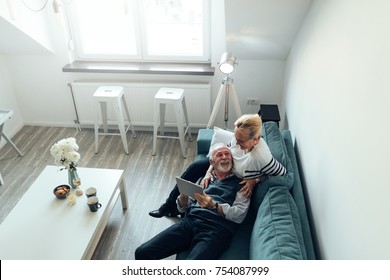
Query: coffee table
[(43, 227)]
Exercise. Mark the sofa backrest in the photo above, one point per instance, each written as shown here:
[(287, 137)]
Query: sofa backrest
[(275, 141), (297, 193)]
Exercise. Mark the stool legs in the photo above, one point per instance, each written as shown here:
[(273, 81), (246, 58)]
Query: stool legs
[(128, 116), (162, 119), (117, 108), (96, 137), (159, 124), (121, 124), (103, 107), (180, 128), (155, 126), (188, 129)]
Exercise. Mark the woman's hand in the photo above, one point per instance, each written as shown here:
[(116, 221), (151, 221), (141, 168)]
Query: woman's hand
[(248, 187), (206, 180)]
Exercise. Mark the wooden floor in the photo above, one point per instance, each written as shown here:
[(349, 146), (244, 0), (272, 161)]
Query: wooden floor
[(148, 179)]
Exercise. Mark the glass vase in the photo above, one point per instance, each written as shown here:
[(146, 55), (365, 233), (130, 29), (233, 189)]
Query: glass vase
[(73, 178)]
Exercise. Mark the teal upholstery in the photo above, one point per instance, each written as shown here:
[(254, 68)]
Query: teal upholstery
[(203, 142), (275, 141), (299, 198), (277, 232), (277, 226)]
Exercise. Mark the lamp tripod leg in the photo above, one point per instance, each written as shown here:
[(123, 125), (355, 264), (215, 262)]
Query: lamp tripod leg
[(217, 104), (234, 97)]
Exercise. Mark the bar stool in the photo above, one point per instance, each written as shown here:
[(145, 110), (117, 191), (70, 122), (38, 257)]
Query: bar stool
[(114, 95), (174, 96)]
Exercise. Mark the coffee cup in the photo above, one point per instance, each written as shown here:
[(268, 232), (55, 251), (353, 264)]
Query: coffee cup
[(90, 192), (93, 203)]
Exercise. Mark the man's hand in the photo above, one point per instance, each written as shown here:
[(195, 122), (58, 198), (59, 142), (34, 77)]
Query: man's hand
[(248, 187), (204, 200), (183, 200)]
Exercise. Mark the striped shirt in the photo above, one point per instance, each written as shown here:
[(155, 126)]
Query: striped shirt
[(256, 163)]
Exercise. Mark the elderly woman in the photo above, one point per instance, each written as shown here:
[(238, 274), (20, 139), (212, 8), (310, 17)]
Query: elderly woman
[(252, 160)]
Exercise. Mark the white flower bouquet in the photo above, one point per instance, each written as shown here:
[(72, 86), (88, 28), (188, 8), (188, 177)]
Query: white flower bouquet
[(65, 153)]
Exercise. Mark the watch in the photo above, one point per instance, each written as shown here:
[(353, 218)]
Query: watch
[(216, 207)]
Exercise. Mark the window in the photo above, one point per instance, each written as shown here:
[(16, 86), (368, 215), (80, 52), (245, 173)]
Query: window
[(140, 30)]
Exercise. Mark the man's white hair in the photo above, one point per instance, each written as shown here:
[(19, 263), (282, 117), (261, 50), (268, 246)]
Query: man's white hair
[(216, 147)]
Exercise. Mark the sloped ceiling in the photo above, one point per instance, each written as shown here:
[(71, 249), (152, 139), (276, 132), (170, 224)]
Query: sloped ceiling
[(13, 41), (263, 29), (255, 29)]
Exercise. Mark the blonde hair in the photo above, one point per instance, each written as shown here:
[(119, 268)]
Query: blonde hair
[(252, 123)]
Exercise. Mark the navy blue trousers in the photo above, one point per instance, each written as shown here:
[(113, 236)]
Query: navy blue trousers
[(204, 239)]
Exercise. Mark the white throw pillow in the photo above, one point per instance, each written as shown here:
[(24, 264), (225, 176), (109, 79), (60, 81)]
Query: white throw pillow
[(220, 136)]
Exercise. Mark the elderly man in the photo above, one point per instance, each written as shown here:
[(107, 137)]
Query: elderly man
[(210, 221)]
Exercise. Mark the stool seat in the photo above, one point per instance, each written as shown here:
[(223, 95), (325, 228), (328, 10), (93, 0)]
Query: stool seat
[(170, 94), (105, 93), (176, 97), (114, 95)]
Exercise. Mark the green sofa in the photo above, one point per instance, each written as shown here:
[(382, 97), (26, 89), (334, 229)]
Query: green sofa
[(277, 226)]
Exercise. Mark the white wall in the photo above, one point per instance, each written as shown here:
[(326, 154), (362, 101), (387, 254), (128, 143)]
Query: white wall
[(337, 97), (26, 16), (8, 102)]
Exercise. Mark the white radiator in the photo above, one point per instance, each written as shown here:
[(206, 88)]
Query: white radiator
[(140, 98)]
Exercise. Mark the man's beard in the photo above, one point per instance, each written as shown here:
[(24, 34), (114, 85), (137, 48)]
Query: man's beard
[(223, 167)]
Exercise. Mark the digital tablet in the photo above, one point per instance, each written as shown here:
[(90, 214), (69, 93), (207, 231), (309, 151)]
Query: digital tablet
[(188, 188)]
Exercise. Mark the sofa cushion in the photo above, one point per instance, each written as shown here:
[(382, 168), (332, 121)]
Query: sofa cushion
[(277, 232), (220, 136)]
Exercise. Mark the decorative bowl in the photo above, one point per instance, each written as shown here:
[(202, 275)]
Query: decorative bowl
[(61, 191)]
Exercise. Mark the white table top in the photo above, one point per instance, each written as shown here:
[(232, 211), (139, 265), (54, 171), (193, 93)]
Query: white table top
[(43, 227)]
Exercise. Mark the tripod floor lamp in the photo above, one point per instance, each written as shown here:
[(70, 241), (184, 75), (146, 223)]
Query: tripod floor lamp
[(226, 90)]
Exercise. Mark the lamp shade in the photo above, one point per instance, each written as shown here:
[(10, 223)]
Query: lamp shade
[(226, 65)]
